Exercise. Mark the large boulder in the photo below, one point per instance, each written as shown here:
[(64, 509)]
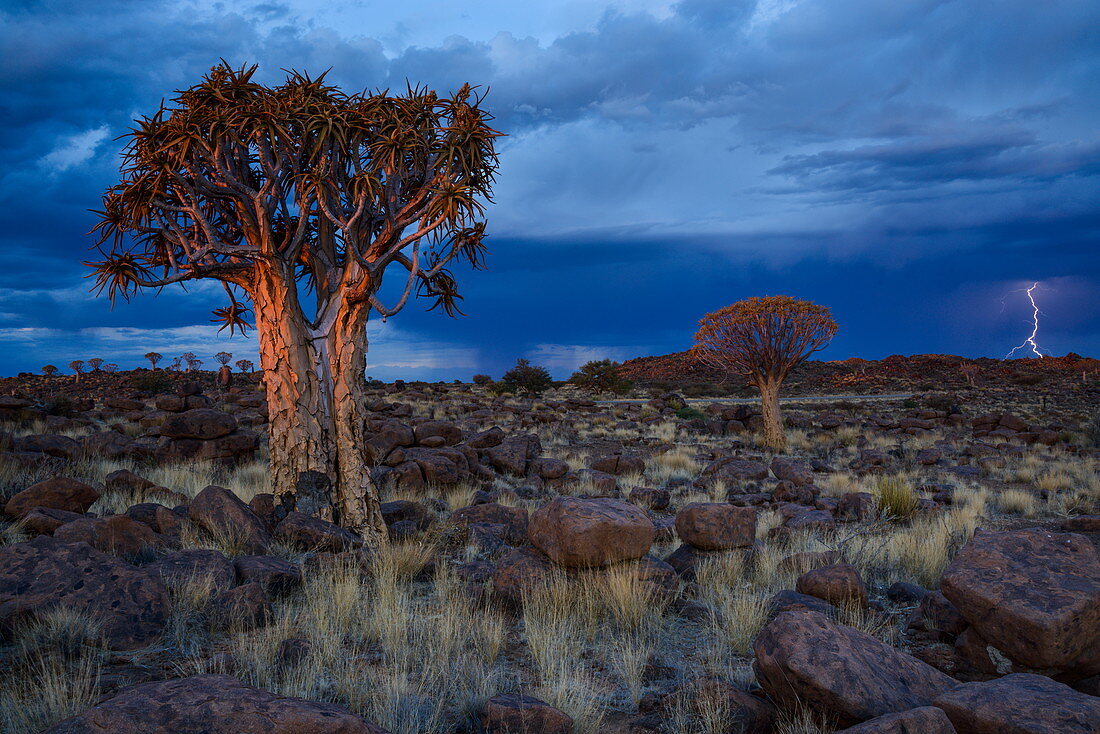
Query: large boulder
[(198, 566), (514, 714), (204, 424), (304, 532), (1021, 703), (223, 514), (1033, 594), (519, 572), (733, 472), (839, 584), (513, 520), (204, 704), (56, 493), (119, 535), (716, 525), (805, 659), (511, 455), (130, 603), (578, 533), (923, 720)]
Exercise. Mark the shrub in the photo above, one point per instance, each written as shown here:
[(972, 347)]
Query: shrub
[(500, 388), (1028, 380), (482, 379), (896, 498), (61, 405), (527, 378), (942, 401), (689, 413), (49, 370), (154, 382), (601, 376), (1092, 430)]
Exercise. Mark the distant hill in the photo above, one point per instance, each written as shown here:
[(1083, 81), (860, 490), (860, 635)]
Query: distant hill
[(897, 373)]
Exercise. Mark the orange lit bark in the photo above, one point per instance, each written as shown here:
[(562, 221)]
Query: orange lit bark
[(315, 382)]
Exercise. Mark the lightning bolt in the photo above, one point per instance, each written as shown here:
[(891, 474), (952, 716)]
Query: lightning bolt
[(1030, 341)]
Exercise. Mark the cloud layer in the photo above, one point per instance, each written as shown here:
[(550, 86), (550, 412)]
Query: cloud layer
[(662, 160)]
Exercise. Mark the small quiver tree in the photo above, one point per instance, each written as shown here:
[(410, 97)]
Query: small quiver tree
[(49, 370), (299, 198), (95, 363), (153, 358), (77, 366), (764, 338), (245, 365)]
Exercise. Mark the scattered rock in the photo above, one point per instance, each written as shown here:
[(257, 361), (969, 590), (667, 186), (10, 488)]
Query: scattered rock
[(716, 525), (805, 659), (515, 714), (211, 703), (839, 584), (1021, 703), (577, 532), (56, 493), (223, 514)]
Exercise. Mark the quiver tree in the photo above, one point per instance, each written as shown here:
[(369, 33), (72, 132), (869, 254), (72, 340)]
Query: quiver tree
[(77, 366), (153, 358), (299, 198), (223, 358), (244, 365), (95, 363), (49, 370), (764, 339)]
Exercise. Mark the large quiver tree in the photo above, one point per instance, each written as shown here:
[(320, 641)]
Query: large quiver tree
[(299, 198), (764, 338)]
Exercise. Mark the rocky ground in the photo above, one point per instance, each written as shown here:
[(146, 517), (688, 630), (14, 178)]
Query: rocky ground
[(554, 565)]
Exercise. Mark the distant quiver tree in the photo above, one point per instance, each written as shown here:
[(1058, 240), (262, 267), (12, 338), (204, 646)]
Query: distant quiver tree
[(299, 198), (764, 338)]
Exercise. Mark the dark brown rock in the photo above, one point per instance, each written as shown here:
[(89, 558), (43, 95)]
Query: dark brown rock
[(923, 720), (839, 584), (195, 566), (513, 519), (119, 535), (211, 704), (131, 603), (716, 525), (519, 572), (1033, 594), (57, 493), (204, 424), (733, 472), (274, 574), (222, 513), (44, 520), (577, 532), (515, 714), (804, 658), (306, 533), (241, 608), (1020, 703)]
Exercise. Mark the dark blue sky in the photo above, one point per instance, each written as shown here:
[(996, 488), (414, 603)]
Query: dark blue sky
[(911, 164)]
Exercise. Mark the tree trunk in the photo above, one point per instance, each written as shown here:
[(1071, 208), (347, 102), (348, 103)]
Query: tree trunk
[(774, 436), (314, 383)]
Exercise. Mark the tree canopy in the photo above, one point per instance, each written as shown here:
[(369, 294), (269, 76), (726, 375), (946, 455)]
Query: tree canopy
[(237, 175)]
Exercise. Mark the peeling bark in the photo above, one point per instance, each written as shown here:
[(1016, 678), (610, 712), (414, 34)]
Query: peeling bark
[(315, 382), (774, 437)]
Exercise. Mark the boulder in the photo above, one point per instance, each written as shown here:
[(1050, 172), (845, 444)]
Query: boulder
[(716, 525), (515, 714), (241, 608), (797, 472), (733, 471), (839, 584), (513, 519), (1021, 703), (805, 659), (449, 432), (204, 704), (511, 455), (923, 720), (223, 514), (56, 493), (130, 603), (50, 444), (1033, 594), (119, 535), (274, 574), (519, 572), (307, 533), (204, 424), (195, 566), (44, 520), (578, 533)]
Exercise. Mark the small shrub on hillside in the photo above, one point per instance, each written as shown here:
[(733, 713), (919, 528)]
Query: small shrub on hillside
[(1028, 380), (61, 406), (896, 498), (1092, 430), (154, 382), (942, 401), (601, 376), (689, 413), (528, 378), (482, 379)]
